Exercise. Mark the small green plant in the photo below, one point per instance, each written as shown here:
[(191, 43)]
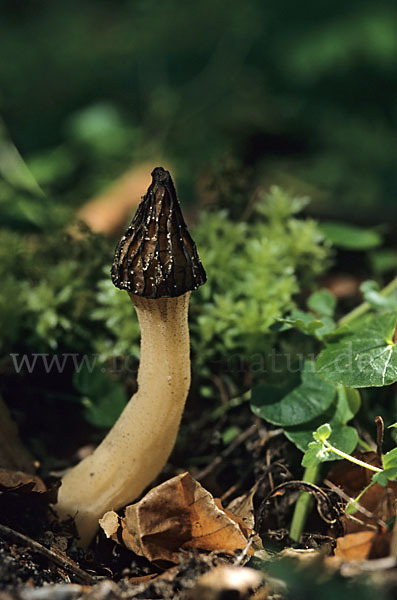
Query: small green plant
[(357, 352), (321, 449)]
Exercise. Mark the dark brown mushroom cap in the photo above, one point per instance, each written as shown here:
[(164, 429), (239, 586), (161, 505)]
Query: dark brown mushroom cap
[(156, 257)]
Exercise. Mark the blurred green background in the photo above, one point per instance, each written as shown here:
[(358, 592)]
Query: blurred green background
[(300, 94)]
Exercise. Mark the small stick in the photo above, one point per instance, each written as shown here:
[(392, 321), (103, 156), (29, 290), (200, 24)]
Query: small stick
[(380, 430), (244, 435), (66, 563)]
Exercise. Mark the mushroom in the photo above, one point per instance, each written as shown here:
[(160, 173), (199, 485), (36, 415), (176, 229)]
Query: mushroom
[(157, 263)]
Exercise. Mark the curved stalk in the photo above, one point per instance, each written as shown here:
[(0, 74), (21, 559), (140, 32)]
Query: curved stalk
[(139, 444)]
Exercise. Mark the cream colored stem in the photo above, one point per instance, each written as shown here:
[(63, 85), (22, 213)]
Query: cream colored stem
[(139, 444)]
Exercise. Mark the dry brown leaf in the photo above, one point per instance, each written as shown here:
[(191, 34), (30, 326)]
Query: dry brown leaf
[(179, 514), (110, 524), (354, 546), (243, 507), (18, 481), (24, 500), (377, 501)]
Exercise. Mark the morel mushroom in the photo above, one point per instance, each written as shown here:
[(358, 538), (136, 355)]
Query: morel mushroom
[(156, 261)]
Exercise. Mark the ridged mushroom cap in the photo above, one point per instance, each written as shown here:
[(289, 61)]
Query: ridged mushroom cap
[(156, 257)]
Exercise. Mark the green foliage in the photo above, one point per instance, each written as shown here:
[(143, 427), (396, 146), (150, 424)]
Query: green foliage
[(312, 397), (362, 354), (49, 290), (344, 438), (372, 295), (317, 323), (325, 446), (345, 405), (323, 303), (115, 314), (103, 398), (254, 269), (168, 76), (351, 237), (59, 296)]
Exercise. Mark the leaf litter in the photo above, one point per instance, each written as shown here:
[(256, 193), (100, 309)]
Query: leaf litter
[(210, 536)]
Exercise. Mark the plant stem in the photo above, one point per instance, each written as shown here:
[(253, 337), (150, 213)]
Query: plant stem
[(352, 459), (352, 506), (303, 504), (360, 310)]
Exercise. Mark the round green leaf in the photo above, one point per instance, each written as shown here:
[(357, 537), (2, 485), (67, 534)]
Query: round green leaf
[(304, 403)]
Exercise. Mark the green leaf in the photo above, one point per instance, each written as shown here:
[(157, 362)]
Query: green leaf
[(343, 437), (323, 303), (103, 399), (322, 433), (362, 357), (370, 290), (315, 454), (350, 237), (230, 434), (348, 404), (105, 410), (304, 403), (307, 323), (390, 459), (383, 260), (385, 476)]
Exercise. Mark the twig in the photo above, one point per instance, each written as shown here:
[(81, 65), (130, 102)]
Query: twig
[(359, 507), (66, 563), (244, 435), (380, 431)]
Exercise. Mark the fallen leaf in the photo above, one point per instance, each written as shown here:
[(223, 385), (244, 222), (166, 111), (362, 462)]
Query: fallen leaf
[(354, 546), (243, 507), (366, 534), (110, 524), (179, 514), (377, 501), (24, 500), (18, 481)]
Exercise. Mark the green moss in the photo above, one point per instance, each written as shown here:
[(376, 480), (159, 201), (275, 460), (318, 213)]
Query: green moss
[(57, 295)]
